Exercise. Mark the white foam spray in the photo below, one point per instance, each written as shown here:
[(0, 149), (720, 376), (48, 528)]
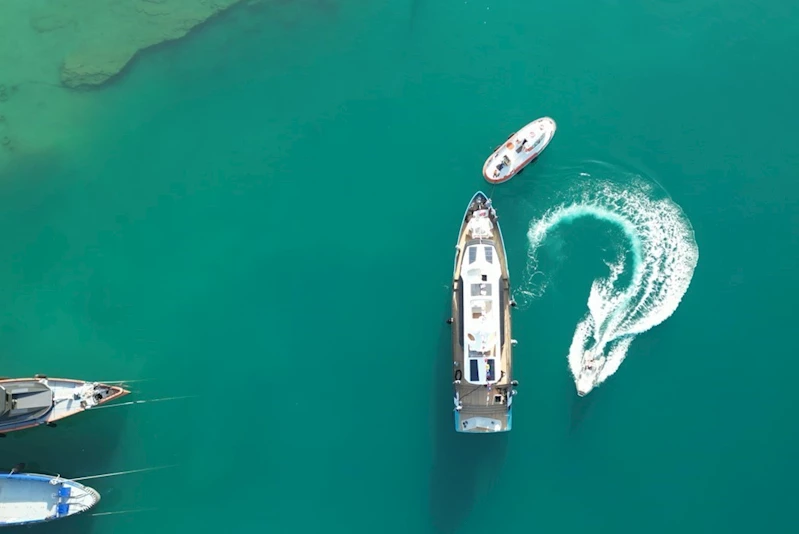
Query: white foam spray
[(660, 255)]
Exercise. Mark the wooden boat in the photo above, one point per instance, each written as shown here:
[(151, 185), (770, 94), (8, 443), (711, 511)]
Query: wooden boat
[(521, 148), (481, 324), (29, 402), (27, 498)]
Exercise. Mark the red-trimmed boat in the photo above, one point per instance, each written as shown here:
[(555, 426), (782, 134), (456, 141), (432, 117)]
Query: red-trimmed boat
[(521, 148)]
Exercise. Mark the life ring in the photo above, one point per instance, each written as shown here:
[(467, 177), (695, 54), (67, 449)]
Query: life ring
[(509, 145), (458, 374)]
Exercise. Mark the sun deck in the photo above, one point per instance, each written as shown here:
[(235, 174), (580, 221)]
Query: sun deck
[(480, 289), (482, 341)]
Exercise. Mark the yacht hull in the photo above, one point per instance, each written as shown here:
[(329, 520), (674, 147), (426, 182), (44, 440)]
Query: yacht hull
[(482, 386)]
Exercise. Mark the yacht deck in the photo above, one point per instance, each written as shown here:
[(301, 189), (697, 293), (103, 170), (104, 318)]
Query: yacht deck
[(483, 402)]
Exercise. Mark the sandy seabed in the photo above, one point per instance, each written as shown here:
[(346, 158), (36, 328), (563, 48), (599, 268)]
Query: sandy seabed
[(50, 50)]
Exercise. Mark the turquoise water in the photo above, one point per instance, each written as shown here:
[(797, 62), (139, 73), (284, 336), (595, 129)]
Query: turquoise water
[(265, 219)]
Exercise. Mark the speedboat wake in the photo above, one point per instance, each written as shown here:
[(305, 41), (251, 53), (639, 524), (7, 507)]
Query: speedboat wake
[(657, 262)]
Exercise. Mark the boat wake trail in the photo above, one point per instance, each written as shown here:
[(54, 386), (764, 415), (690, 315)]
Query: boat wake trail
[(645, 282)]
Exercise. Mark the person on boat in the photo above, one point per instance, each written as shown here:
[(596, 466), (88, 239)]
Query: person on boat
[(490, 207), (499, 168)]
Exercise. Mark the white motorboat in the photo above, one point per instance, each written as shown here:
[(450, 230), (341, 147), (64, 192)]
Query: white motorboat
[(521, 148), (27, 498), (588, 374)]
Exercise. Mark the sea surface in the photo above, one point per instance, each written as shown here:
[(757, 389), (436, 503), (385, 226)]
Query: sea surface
[(263, 217)]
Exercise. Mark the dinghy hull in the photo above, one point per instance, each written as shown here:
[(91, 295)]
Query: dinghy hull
[(27, 498)]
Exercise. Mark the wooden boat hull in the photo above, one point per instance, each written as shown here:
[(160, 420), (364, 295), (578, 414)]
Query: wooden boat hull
[(63, 406), (510, 158)]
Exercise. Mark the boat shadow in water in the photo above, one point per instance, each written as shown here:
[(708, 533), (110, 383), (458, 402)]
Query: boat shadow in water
[(529, 165), (581, 407), (579, 410), (465, 466), (77, 447)]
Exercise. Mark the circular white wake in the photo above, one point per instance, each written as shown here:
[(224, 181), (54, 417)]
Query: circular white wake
[(660, 258)]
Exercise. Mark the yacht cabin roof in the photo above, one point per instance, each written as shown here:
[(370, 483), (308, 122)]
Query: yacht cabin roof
[(481, 276)]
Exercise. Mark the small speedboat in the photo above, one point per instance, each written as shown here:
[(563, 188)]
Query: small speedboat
[(27, 498), (29, 402), (521, 148), (589, 373)]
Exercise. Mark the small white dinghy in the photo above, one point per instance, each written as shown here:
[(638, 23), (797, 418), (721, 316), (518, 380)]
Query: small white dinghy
[(520, 149), (30, 498)]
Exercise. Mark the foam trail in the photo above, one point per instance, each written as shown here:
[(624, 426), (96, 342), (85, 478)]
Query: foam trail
[(660, 257)]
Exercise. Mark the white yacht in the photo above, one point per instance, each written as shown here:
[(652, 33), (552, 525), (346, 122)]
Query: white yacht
[(481, 324), (520, 149)]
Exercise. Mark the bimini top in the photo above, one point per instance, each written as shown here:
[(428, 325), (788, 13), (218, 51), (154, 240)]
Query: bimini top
[(481, 274), (30, 498)]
